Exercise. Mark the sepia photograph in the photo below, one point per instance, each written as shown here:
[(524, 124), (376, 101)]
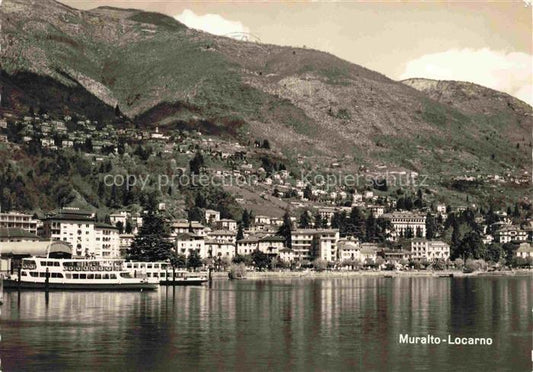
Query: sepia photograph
[(266, 185)]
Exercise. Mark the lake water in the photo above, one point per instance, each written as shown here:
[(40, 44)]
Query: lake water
[(299, 324)]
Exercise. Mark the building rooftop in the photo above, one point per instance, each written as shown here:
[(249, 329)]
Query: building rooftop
[(13, 233)]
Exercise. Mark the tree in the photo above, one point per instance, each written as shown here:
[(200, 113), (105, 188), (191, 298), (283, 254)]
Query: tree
[(179, 261), (128, 229), (471, 246), (195, 214), (494, 253), (305, 220), (431, 226), (240, 232), (152, 242), (459, 263), (308, 192), (260, 260), (246, 219), (318, 221), (371, 228), (194, 260), (120, 227), (196, 163), (285, 229), (320, 264)]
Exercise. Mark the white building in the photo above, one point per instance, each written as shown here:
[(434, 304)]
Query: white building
[(87, 237), (247, 245), (17, 220), (186, 243), (125, 241), (441, 208), (377, 210), (308, 244), (286, 255), (429, 249), (211, 216), (226, 224), (183, 226), (510, 233), (525, 250), (222, 236), (348, 250), (119, 217), (369, 252), (218, 249), (107, 241), (262, 220), (402, 222)]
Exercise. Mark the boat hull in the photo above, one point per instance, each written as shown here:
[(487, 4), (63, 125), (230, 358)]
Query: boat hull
[(183, 282), (14, 284)]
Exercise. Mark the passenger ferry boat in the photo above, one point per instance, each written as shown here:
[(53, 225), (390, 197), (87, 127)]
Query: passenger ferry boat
[(86, 274), (162, 273)]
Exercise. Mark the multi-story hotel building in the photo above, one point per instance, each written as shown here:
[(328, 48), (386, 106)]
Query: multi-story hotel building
[(429, 249), (186, 243), (17, 220), (308, 244), (87, 237), (402, 222), (510, 233)]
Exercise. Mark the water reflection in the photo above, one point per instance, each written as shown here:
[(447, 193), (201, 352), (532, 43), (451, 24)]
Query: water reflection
[(288, 324)]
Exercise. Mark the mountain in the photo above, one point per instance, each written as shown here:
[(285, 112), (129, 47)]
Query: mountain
[(159, 72), (476, 100)]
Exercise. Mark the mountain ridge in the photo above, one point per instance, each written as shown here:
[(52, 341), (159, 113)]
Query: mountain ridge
[(302, 100)]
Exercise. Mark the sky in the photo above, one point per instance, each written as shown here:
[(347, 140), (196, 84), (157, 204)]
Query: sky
[(488, 43)]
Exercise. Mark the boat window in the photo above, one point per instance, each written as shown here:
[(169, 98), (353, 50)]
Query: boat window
[(148, 275), (106, 276), (83, 276), (42, 275), (156, 266), (56, 263), (155, 275), (90, 276), (113, 276), (98, 276), (148, 266), (68, 276), (33, 273), (163, 275), (24, 273), (125, 275), (76, 276), (135, 266)]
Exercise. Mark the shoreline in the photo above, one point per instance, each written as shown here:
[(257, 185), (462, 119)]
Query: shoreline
[(258, 275)]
